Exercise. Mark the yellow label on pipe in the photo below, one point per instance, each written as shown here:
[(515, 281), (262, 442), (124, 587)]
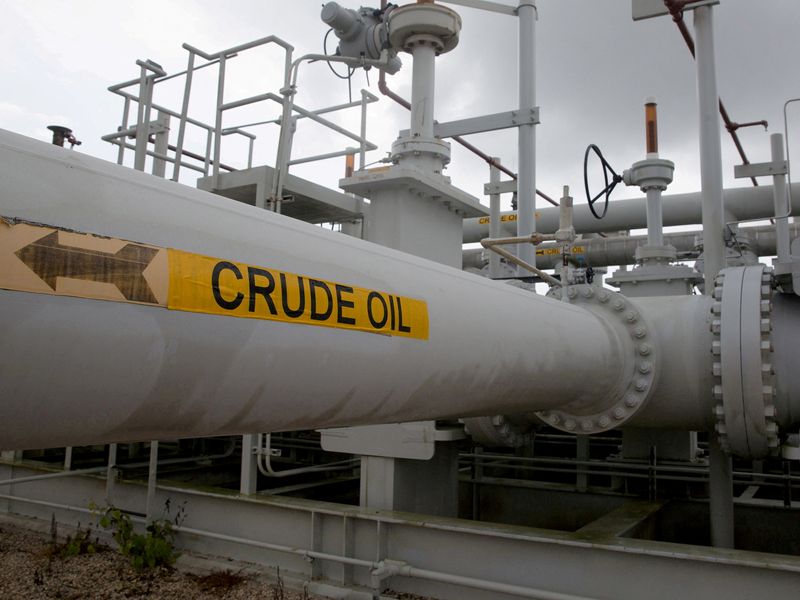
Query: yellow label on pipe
[(48, 260), (220, 287)]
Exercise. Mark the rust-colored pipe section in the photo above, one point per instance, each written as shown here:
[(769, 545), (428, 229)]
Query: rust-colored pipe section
[(675, 8), (384, 89)]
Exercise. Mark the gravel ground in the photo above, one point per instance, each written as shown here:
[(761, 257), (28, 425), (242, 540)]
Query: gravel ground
[(31, 568)]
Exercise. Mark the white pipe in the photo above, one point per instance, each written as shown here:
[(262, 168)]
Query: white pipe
[(526, 178), (620, 250), (57, 475), (135, 372), (482, 584), (111, 473), (265, 461), (781, 201), (721, 488), (744, 203), (152, 475), (494, 216), (710, 147), (655, 227), (422, 90)]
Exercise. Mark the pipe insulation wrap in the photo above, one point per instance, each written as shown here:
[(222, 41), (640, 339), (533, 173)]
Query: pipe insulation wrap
[(77, 371)]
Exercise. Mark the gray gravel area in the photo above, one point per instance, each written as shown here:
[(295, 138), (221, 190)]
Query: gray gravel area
[(31, 568)]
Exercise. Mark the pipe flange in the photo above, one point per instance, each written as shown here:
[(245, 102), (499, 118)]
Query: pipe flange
[(407, 147), (639, 363), (744, 386)]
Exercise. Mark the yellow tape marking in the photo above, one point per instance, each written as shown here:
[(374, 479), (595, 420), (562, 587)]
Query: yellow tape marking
[(48, 260), (219, 287)]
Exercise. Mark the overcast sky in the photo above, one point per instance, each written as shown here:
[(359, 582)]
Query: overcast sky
[(595, 67)]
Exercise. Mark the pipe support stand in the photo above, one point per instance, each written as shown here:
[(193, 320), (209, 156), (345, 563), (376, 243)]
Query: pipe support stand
[(639, 357)]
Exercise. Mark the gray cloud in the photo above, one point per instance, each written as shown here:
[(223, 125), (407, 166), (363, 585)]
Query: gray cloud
[(594, 68)]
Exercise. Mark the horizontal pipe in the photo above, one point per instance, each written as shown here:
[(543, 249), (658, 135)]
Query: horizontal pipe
[(105, 371), (56, 475), (623, 215), (621, 250)]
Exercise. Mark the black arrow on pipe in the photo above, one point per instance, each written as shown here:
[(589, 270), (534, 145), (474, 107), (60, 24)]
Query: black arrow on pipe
[(124, 269)]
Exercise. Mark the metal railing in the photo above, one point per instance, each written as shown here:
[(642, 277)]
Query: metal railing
[(146, 131), (539, 468)]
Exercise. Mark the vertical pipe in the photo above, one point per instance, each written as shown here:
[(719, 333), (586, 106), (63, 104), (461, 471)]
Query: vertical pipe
[(284, 149), (187, 90), (111, 473), (152, 473), (422, 90), (218, 121), (68, 458), (781, 205), (288, 128), (526, 180), (142, 126), (721, 488), (161, 145), (362, 154), (248, 476), (582, 455), (720, 495), (655, 226), (710, 148), (494, 219), (209, 140), (565, 210), (125, 116)]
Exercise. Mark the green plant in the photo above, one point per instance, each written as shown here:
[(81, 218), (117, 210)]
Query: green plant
[(153, 548), (81, 543)]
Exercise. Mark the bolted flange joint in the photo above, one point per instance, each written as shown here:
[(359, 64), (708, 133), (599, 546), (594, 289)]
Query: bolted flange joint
[(639, 364), (744, 388)]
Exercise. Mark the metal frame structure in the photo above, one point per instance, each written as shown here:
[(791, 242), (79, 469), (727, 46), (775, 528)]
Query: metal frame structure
[(211, 158)]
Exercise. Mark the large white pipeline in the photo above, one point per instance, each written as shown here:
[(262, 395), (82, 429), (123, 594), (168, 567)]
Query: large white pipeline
[(77, 371)]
